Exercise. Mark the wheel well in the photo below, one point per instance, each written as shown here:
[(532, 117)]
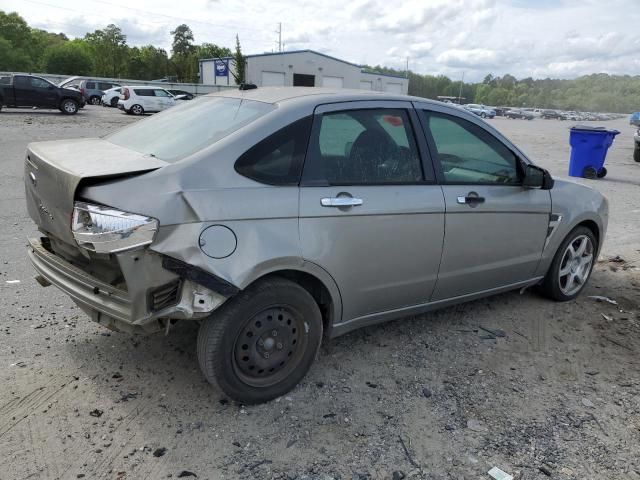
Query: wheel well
[(316, 289), (593, 226)]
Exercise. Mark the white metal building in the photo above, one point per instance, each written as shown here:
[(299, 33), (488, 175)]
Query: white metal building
[(304, 68)]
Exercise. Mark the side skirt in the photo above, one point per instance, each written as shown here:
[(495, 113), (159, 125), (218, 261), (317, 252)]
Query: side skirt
[(375, 318)]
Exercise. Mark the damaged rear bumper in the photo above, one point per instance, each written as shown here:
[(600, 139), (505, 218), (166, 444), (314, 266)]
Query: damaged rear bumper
[(128, 310)]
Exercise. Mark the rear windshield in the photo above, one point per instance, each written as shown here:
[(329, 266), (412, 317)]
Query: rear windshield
[(189, 127)]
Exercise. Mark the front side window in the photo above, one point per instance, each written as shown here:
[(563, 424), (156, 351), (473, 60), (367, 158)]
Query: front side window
[(189, 127), (278, 159), (39, 83), (161, 93), (468, 153), (367, 147)]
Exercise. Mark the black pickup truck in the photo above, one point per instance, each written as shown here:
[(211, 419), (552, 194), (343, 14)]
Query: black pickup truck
[(30, 91)]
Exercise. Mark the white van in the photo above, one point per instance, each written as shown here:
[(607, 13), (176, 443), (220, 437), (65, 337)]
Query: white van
[(144, 99)]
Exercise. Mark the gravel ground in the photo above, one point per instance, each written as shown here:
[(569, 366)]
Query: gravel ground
[(433, 397)]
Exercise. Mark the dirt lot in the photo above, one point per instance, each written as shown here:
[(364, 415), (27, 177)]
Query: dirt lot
[(429, 397)]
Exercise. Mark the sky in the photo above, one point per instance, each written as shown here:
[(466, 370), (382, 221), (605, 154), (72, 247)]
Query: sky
[(526, 38)]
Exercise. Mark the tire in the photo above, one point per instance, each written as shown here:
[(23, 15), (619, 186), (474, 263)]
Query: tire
[(553, 286), (262, 342), (114, 102), (602, 172), (590, 173), (136, 109), (483, 115), (69, 106), (636, 153), (94, 100)]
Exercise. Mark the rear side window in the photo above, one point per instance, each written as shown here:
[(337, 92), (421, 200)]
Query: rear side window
[(161, 93), (90, 85), (104, 86), (144, 92), (365, 147), (190, 127), (278, 159)]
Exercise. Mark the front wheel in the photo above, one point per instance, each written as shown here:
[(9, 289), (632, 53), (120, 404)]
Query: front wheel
[(260, 344), (483, 115), (571, 266), (94, 100), (69, 106), (114, 102)]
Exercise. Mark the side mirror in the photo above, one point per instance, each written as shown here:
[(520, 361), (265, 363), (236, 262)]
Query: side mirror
[(536, 177)]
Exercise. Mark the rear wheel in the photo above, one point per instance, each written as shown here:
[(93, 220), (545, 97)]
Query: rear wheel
[(590, 173), (136, 109), (114, 102), (94, 100), (636, 153), (571, 266), (483, 115), (68, 106), (260, 344)]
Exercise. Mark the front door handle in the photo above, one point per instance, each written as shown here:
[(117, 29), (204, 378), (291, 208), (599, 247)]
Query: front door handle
[(472, 199), (340, 202)]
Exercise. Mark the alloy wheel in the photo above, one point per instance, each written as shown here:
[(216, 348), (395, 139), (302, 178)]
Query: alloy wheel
[(576, 264)]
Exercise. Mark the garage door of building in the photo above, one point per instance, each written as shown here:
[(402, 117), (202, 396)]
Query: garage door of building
[(332, 82), (366, 84), (272, 79), (393, 87)]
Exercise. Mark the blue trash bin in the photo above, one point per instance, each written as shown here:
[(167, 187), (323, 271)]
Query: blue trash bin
[(589, 147)]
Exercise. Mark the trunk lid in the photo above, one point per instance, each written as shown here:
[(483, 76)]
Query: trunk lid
[(53, 170)]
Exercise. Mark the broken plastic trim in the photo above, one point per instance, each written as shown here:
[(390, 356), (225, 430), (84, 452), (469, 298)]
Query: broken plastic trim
[(199, 276)]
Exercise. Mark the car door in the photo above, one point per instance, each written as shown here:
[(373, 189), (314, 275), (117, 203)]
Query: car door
[(164, 99), (495, 227), (371, 214), (45, 94)]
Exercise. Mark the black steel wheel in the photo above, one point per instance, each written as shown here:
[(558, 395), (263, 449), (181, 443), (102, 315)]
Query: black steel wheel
[(94, 100), (262, 342), (590, 173), (602, 172)]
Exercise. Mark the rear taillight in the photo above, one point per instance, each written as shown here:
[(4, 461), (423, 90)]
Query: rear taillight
[(125, 92), (82, 91)]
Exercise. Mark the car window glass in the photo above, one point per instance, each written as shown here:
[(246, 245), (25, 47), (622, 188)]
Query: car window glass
[(161, 93), (104, 86), (469, 154), (39, 83), (90, 85), (374, 146), (189, 126), (277, 160), (144, 92), (21, 82)]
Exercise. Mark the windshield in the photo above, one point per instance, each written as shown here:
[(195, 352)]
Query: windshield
[(190, 127)]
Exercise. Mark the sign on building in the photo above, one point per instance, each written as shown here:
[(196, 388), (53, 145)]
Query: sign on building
[(222, 68)]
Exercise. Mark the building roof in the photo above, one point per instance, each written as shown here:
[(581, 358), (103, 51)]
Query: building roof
[(290, 52)]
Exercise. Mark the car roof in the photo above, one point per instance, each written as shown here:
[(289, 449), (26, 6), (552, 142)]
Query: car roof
[(142, 86), (314, 95)]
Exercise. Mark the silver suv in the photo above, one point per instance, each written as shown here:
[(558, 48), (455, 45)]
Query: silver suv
[(279, 217)]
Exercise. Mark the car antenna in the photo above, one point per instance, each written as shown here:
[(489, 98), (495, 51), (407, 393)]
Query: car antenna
[(241, 85)]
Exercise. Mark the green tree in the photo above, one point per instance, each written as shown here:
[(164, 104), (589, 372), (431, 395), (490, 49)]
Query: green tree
[(109, 47), (148, 63), (69, 58), (13, 59), (182, 50), (240, 62)]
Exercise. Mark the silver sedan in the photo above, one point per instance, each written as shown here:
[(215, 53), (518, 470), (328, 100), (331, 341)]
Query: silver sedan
[(279, 217)]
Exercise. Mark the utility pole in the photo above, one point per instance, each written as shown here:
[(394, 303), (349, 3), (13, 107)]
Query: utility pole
[(460, 91), (279, 32), (407, 69)]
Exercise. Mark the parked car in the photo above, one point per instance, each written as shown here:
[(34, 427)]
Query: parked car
[(550, 114), (636, 146), (181, 94), (31, 91), (144, 99), (500, 111), (518, 113), (110, 97), (91, 89), (480, 110), (279, 218)]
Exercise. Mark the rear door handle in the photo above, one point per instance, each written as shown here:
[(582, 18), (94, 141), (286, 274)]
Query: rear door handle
[(340, 202), (470, 199)]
